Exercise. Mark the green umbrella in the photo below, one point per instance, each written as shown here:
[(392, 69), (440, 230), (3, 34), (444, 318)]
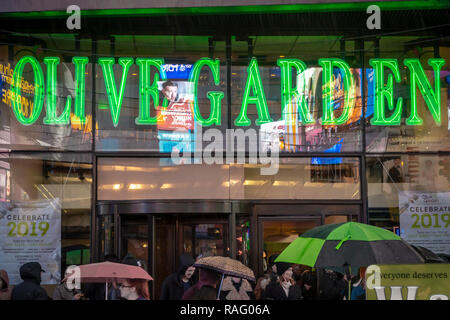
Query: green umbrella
[(348, 244)]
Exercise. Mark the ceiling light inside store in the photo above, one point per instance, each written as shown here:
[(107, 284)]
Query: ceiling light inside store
[(134, 186), (166, 186), (278, 183), (254, 182)]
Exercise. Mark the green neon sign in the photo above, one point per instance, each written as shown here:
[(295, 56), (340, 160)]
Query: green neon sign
[(115, 100), (432, 98), (38, 94), (254, 83), (386, 92), (51, 116), (288, 93), (215, 97), (80, 92), (148, 91), (387, 112), (328, 85)]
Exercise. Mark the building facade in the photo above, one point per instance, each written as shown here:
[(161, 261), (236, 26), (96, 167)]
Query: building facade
[(225, 129)]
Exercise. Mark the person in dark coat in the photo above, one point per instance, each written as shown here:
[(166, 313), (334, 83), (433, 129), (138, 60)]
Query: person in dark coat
[(308, 285), (205, 288), (283, 287), (30, 288), (266, 278), (176, 284), (331, 285)]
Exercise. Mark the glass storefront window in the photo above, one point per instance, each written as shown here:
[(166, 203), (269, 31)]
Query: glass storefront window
[(260, 64), (47, 199), (277, 235), (297, 178), (34, 101), (243, 240), (428, 136), (170, 123), (409, 194)]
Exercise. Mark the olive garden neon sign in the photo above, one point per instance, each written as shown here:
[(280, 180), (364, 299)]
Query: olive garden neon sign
[(253, 92)]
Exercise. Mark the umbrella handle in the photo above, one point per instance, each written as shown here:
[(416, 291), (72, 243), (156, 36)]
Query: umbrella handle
[(342, 242), (220, 287)]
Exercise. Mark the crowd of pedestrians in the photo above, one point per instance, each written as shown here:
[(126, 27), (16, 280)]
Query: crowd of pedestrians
[(281, 281)]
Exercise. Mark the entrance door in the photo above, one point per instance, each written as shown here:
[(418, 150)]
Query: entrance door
[(159, 240), (176, 234), (277, 233)]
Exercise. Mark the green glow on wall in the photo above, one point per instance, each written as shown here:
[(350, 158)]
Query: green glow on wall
[(242, 9), (432, 98), (115, 100), (328, 90), (214, 96), (383, 91), (287, 92), (253, 83), (80, 84), (51, 116), (147, 91), (38, 93)]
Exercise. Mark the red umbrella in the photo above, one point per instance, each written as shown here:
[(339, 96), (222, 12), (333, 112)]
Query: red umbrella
[(105, 271), (108, 271)]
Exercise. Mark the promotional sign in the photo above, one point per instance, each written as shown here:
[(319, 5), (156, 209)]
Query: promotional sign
[(31, 232), (177, 116), (175, 122), (408, 282), (425, 219)]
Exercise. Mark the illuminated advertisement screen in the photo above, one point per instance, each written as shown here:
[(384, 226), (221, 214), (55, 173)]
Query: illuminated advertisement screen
[(175, 121)]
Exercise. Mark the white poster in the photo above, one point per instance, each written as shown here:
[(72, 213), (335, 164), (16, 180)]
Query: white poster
[(425, 220), (31, 232)]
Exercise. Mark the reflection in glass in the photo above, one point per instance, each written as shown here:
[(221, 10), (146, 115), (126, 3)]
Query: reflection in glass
[(297, 178)]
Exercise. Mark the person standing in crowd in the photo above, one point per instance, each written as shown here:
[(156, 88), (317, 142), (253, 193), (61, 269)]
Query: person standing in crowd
[(96, 291), (62, 292), (133, 289), (268, 276), (5, 289), (308, 285), (234, 288), (284, 287), (30, 288), (331, 285), (358, 286), (205, 288), (176, 284)]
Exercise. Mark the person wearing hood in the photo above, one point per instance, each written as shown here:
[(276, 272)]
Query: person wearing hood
[(5, 289), (205, 288), (176, 284), (284, 287), (30, 288)]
